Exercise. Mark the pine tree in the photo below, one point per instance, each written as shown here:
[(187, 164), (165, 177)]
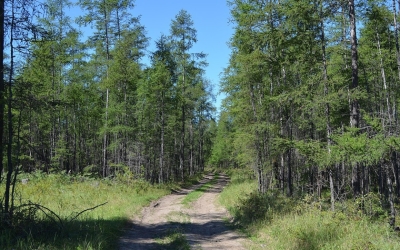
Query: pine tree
[(183, 36)]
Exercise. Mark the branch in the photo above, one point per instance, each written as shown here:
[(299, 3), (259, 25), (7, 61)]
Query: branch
[(88, 209), (43, 208)]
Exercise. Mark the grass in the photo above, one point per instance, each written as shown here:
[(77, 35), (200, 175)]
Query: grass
[(196, 194), (174, 239), (274, 221), (66, 196), (178, 217)]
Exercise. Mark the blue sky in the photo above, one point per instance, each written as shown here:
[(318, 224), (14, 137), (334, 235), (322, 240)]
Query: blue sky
[(211, 20)]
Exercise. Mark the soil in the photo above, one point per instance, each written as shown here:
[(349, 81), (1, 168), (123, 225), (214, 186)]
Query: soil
[(203, 223)]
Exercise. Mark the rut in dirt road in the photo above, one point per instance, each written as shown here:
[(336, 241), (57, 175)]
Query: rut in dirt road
[(201, 224)]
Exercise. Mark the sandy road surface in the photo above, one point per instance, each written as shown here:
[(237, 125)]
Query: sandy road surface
[(202, 223)]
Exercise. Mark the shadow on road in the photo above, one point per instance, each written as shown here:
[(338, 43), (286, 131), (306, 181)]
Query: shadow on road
[(141, 237)]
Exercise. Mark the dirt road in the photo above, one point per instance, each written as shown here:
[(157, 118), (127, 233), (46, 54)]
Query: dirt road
[(201, 224)]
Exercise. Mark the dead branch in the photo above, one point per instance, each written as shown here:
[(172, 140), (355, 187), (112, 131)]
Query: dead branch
[(44, 209), (88, 209)]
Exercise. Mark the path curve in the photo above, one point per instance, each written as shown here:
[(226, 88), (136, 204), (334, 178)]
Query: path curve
[(202, 223)]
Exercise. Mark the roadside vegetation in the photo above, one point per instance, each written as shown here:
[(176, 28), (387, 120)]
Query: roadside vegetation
[(60, 211), (274, 221)]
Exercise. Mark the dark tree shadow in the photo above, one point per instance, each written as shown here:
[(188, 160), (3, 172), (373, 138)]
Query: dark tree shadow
[(141, 237), (46, 234)]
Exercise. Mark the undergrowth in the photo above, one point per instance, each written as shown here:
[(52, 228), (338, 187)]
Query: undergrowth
[(51, 211), (274, 221)]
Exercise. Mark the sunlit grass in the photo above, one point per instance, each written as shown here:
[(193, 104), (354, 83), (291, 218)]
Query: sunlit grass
[(274, 221), (317, 229), (66, 196)]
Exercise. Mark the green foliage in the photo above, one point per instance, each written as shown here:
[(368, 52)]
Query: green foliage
[(274, 221), (289, 86)]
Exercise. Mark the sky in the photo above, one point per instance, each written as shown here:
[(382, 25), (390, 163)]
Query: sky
[(211, 20)]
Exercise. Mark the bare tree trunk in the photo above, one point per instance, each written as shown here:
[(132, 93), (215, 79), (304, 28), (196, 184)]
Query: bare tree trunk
[(396, 34), (384, 79), (2, 87), (182, 144), (282, 134), (161, 176), (9, 115), (395, 167), (319, 183), (289, 159), (191, 150), (354, 109), (354, 105), (258, 165), (105, 138), (327, 107), (392, 218)]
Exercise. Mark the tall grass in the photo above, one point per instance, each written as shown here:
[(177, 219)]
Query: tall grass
[(66, 196), (274, 221)]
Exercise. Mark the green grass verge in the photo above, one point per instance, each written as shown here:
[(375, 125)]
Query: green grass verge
[(196, 194), (274, 221), (66, 196)]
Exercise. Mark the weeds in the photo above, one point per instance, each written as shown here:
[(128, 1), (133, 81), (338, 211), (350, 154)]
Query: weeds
[(274, 221), (68, 197)]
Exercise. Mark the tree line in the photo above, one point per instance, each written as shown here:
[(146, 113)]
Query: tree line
[(312, 97), (88, 105)]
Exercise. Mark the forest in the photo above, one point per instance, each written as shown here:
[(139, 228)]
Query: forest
[(312, 98), (310, 109), (91, 107)]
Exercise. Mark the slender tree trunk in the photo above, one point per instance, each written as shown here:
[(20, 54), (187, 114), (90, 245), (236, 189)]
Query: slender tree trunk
[(282, 134), (354, 105), (9, 115), (282, 162), (2, 87), (191, 164), (396, 34), (319, 183), (105, 138), (14, 181), (258, 167), (392, 217), (355, 109), (289, 158), (126, 134), (182, 144), (327, 107), (74, 161), (395, 167), (384, 79), (161, 176), (290, 174)]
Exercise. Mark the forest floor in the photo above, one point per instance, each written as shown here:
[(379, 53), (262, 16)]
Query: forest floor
[(169, 224)]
